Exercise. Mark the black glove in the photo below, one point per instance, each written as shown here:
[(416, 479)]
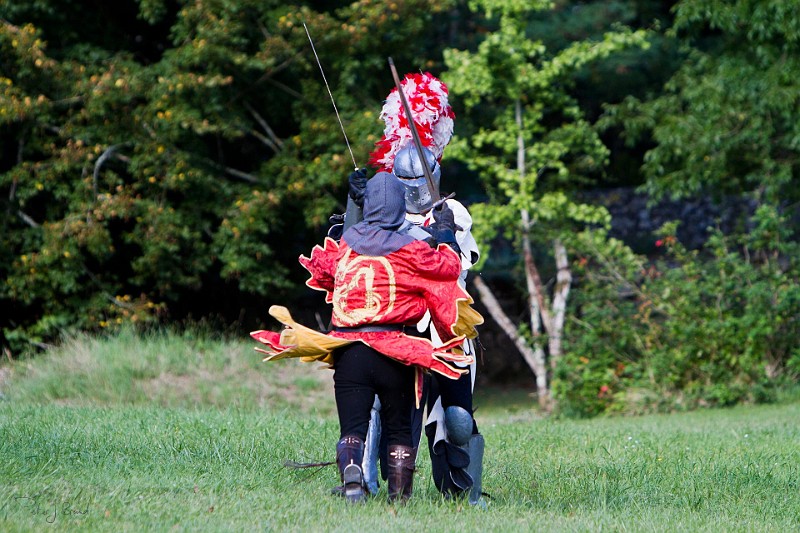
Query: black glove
[(358, 185), (444, 216), (443, 229)]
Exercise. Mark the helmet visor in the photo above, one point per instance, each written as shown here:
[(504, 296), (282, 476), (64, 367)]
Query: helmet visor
[(417, 194)]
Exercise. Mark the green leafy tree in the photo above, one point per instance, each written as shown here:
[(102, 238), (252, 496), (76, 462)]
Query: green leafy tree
[(728, 120), (123, 196), (179, 156), (530, 144), (712, 326)]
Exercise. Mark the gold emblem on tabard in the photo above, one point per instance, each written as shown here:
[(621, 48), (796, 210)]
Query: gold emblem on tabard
[(358, 274)]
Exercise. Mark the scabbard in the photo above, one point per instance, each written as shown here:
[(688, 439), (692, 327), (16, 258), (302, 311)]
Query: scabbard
[(353, 215)]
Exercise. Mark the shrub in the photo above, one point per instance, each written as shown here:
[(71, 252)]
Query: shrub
[(713, 327)]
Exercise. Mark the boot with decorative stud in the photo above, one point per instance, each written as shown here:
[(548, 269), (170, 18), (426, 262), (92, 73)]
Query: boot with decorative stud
[(401, 472)]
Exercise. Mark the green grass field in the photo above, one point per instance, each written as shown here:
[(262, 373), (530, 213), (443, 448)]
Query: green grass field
[(178, 433)]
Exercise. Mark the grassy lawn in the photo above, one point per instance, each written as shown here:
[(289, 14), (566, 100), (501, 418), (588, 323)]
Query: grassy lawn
[(174, 433)]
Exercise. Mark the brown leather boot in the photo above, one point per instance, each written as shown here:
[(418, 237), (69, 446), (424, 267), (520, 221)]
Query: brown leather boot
[(401, 472), (349, 454)]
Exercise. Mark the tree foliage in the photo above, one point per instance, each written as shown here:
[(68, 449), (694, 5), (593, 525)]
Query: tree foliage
[(530, 146), (150, 163), (715, 326), (727, 120)]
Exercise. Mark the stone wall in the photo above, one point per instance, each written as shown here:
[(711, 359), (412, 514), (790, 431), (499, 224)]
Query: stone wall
[(634, 222)]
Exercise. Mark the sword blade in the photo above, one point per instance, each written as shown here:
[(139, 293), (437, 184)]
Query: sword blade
[(335, 109)]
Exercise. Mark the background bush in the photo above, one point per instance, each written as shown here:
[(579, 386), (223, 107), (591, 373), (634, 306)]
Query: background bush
[(689, 329)]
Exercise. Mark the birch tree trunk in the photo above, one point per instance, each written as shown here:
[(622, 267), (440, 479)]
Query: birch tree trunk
[(560, 293), (547, 314), (537, 310), (536, 306), (535, 361)]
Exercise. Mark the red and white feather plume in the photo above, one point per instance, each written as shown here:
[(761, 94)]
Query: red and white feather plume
[(432, 114)]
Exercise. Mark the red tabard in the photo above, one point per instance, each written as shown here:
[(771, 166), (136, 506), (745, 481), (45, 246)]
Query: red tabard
[(395, 289)]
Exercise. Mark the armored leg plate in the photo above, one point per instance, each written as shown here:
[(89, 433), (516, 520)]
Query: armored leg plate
[(458, 422), (475, 469)]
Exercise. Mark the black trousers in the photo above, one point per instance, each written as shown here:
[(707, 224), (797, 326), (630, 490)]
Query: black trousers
[(359, 373)]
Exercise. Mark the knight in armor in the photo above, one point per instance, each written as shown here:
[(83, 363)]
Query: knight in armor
[(455, 445), (454, 442), (381, 282)]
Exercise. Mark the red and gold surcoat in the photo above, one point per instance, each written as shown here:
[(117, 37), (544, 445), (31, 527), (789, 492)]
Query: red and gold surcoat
[(395, 289)]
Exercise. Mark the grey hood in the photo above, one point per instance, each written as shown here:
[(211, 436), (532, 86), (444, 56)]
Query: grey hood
[(384, 215)]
